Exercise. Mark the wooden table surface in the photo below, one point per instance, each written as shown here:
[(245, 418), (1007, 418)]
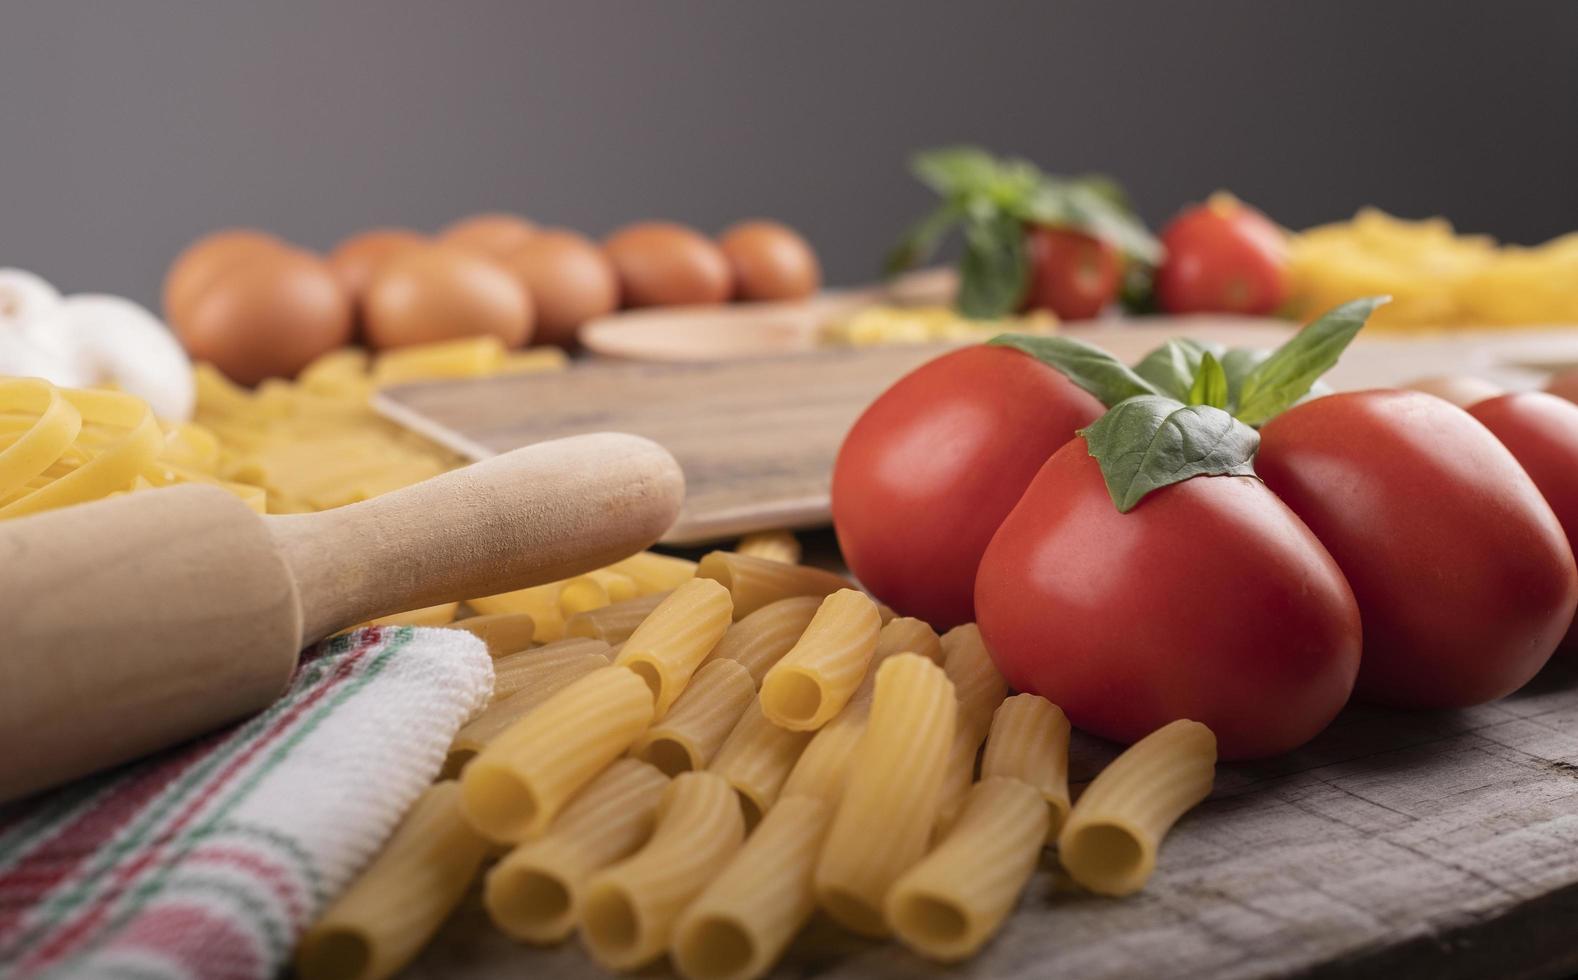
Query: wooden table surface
[(1396, 845)]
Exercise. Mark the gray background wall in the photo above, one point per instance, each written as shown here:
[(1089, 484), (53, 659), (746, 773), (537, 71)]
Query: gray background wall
[(126, 128)]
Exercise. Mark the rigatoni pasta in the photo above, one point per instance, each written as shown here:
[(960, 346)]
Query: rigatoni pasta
[(903, 634), (534, 892), (595, 589), (630, 909), (824, 765), (694, 729), (519, 781), (817, 677), (756, 759), (772, 545), (754, 582), (975, 678), (889, 804), (948, 905), (502, 714), (1114, 831), (1028, 741), (761, 639), (738, 927), (380, 923), (672, 642), (958, 772), (613, 623), (540, 602), (526, 668), (504, 633), (653, 572)]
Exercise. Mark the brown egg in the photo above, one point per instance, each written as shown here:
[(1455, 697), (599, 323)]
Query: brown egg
[(205, 259), (438, 292), (268, 317), (770, 261), (1565, 385), (570, 281), (358, 258), (661, 263), (496, 234)]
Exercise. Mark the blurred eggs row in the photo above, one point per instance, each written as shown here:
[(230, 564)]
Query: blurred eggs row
[(257, 307)]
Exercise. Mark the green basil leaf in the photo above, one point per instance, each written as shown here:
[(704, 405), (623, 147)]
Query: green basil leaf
[(955, 170), (1283, 378), (1172, 367), (1151, 442), (921, 241), (1061, 202), (1210, 384), (994, 272), (1088, 366)]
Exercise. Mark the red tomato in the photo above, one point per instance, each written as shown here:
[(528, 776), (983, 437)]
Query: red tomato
[(1542, 432), (933, 466), (1223, 256), (1464, 578), (1072, 274), (1209, 600)]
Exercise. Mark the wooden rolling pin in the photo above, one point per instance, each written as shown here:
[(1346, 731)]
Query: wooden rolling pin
[(133, 623)]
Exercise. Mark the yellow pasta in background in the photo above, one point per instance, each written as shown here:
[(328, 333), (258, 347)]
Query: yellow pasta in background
[(739, 926), (504, 633), (653, 572), (754, 582), (526, 668), (694, 729), (1028, 741), (440, 615), (614, 623), (948, 905), (518, 782), (889, 805), (980, 687), (772, 545), (597, 588), (756, 759), (630, 909), (538, 686), (391, 910), (817, 677), (886, 612), (957, 774), (1110, 841), (534, 892), (540, 602), (672, 642), (761, 639)]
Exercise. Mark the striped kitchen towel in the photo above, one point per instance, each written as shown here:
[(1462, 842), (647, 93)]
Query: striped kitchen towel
[(208, 861)]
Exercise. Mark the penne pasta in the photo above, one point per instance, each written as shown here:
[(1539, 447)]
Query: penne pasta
[(533, 893), (630, 909), (613, 623), (391, 910), (889, 803), (819, 675), (754, 582), (527, 668), (980, 687), (756, 758), (772, 545), (504, 633), (501, 714), (653, 572), (672, 642), (597, 588), (1029, 742), (1110, 841), (761, 639), (519, 781), (947, 906), (694, 729), (739, 926), (540, 602)]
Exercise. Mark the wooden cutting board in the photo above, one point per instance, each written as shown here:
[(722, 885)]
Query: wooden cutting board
[(757, 437)]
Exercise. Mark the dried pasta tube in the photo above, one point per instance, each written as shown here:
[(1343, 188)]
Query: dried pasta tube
[(630, 909), (672, 642), (501, 715), (613, 623), (1110, 841), (533, 893), (440, 615), (653, 572), (900, 635), (889, 804), (756, 758), (739, 926), (540, 602), (519, 781), (526, 668), (504, 633), (824, 765), (816, 678), (886, 612), (694, 729), (754, 582), (980, 687), (957, 775), (1029, 742), (953, 901), (772, 545), (761, 639), (387, 915), (597, 588)]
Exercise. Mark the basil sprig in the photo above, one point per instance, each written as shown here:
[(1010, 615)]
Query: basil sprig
[(1087, 365), (1151, 441)]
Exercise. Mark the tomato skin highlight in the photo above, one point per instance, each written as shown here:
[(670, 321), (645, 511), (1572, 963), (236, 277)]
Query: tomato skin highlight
[(934, 465), (1073, 274), (1542, 432), (1209, 600), (1464, 577), (1223, 256)]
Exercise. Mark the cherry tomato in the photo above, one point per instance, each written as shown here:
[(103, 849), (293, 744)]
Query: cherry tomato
[(1223, 256), (1464, 578), (1209, 600), (1072, 274), (1542, 432), (933, 466)]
